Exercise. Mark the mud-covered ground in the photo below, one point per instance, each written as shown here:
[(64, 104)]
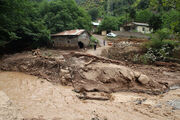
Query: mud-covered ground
[(33, 98), (77, 85), (85, 72), (125, 49)]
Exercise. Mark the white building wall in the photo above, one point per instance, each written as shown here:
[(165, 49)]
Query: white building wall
[(143, 29)]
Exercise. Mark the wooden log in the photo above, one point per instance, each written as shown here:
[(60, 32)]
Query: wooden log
[(91, 61), (79, 54), (92, 98)]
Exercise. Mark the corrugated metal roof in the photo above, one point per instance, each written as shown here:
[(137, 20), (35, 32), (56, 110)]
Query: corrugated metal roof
[(76, 32), (141, 24), (136, 23), (95, 23)]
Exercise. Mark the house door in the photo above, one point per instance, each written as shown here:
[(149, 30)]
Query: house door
[(80, 44)]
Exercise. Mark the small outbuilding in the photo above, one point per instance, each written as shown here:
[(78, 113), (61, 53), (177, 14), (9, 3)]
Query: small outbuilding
[(135, 26), (72, 39), (95, 26)]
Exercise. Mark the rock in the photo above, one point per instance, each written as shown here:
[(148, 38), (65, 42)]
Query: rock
[(104, 77), (64, 71), (137, 74), (7, 109), (67, 76), (143, 79)]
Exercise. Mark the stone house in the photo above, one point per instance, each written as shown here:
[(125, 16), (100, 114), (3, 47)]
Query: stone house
[(138, 27), (72, 39)]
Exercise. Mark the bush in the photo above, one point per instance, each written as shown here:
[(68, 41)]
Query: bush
[(163, 34), (93, 40), (160, 48)]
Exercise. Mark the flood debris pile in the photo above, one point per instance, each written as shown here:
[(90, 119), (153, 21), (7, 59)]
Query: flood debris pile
[(104, 77), (86, 73), (123, 50), (47, 68)]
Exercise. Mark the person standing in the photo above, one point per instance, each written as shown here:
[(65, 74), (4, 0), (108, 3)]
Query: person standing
[(104, 42), (95, 45)]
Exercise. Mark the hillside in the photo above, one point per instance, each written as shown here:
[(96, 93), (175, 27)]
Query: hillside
[(113, 7)]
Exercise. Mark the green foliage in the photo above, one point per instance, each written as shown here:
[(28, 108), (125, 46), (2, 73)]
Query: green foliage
[(163, 34), (155, 22), (122, 20), (143, 4), (93, 41), (60, 15), (20, 26), (144, 16), (159, 48), (132, 13), (169, 18), (159, 51), (94, 12), (109, 23), (170, 12), (26, 24)]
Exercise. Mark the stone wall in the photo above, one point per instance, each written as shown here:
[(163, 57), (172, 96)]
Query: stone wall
[(84, 38), (65, 42), (71, 42)]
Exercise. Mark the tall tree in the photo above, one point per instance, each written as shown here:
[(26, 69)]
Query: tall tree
[(60, 15)]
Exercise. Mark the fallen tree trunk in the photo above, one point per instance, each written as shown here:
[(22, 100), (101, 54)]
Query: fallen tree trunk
[(92, 98), (78, 54)]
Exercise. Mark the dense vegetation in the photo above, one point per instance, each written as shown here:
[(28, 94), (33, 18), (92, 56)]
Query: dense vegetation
[(26, 24), (158, 13), (162, 15)]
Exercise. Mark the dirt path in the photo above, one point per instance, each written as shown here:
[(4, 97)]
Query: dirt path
[(37, 98), (102, 47)]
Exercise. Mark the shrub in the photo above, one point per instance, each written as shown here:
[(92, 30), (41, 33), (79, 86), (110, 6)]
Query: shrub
[(93, 40), (159, 48), (163, 34)]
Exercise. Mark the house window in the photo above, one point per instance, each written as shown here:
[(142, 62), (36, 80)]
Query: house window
[(143, 29)]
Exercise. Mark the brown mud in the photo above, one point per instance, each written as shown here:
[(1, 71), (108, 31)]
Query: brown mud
[(128, 49), (38, 99), (69, 85), (67, 69)]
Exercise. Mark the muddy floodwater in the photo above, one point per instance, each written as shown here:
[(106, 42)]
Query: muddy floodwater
[(38, 98)]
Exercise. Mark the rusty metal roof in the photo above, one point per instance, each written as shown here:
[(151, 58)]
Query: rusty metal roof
[(76, 32)]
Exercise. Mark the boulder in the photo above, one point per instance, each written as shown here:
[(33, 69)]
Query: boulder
[(143, 79)]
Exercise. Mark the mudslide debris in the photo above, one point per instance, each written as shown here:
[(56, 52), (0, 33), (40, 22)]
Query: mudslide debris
[(85, 72)]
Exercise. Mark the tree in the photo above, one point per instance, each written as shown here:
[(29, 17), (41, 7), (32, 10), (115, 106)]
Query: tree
[(132, 13), (170, 17), (143, 4), (94, 12), (60, 15), (155, 22), (143, 16), (109, 23), (20, 26)]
